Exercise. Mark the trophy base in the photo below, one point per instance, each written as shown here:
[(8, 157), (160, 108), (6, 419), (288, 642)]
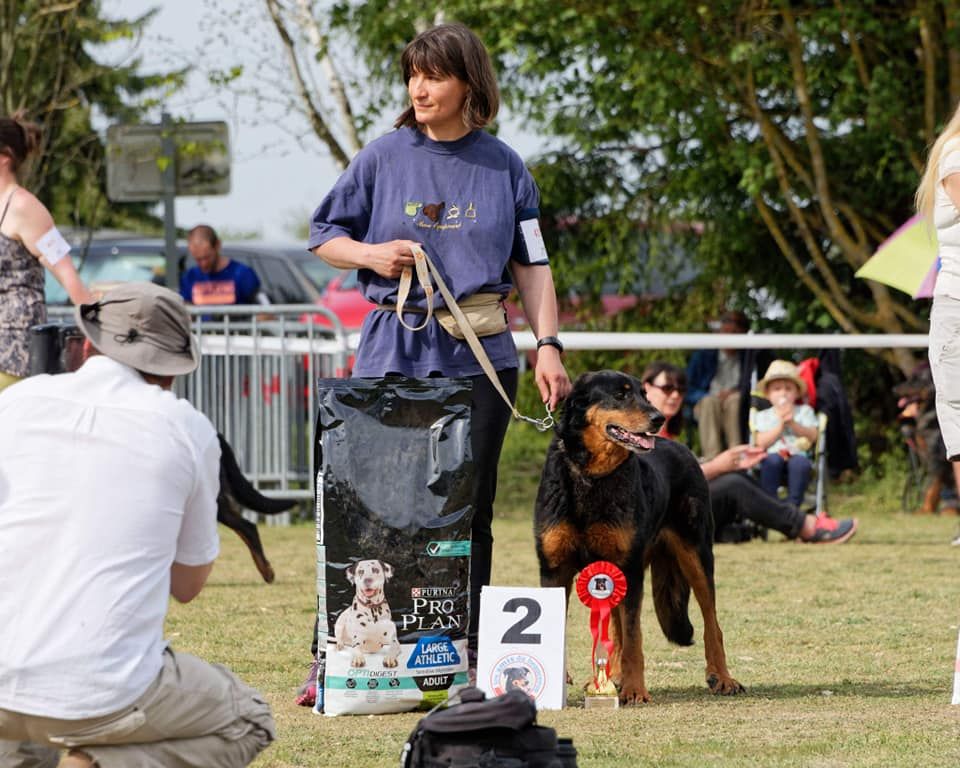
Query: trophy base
[(601, 702)]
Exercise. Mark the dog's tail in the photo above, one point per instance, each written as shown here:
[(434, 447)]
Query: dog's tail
[(671, 596), (245, 494)]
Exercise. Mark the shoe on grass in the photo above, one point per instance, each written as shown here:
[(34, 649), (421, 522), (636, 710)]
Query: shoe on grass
[(830, 531), (307, 695)]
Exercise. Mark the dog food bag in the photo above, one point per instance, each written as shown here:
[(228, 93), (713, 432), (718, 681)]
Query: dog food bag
[(394, 508)]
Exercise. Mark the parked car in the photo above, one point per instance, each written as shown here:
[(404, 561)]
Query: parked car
[(342, 297), (103, 263)]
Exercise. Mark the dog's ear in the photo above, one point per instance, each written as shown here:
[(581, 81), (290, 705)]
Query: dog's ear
[(350, 576), (387, 570), (575, 405)]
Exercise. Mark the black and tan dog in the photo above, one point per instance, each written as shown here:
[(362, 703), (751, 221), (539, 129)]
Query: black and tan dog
[(612, 491), (236, 494), (916, 398)]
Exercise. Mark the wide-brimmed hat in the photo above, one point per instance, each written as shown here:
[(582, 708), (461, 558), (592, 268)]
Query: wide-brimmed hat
[(144, 326), (782, 369)]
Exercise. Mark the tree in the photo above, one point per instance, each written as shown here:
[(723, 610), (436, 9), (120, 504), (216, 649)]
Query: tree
[(285, 57), (48, 68), (793, 131)]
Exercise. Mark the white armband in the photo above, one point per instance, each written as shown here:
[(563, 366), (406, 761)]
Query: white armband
[(533, 240), (52, 246)]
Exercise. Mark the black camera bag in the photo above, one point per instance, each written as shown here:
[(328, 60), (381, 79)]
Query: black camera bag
[(486, 733)]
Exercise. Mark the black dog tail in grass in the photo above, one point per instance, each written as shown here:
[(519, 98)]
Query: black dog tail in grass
[(242, 491), (671, 596)]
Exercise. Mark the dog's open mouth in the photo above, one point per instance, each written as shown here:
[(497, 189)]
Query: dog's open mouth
[(638, 442)]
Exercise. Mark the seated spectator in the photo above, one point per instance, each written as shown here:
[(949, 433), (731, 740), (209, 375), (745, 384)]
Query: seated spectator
[(715, 377), (216, 279), (787, 430), (734, 496)]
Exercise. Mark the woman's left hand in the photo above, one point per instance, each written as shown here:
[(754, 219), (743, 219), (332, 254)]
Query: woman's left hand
[(551, 377), (742, 457)]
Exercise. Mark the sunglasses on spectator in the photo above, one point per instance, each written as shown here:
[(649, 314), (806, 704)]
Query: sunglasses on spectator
[(668, 389)]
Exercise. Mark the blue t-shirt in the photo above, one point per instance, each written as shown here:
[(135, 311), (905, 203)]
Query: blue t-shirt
[(464, 201), (236, 283)]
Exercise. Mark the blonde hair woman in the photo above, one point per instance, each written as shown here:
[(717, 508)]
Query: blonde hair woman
[(938, 199)]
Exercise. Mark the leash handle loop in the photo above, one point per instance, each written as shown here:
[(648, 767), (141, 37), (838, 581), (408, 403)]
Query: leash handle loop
[(406, 280)]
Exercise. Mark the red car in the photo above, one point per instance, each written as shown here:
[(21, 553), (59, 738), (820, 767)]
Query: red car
[(342, 297)]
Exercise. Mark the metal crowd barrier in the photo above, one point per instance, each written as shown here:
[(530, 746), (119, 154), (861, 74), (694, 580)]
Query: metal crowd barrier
[(257, 378), (257, 384)]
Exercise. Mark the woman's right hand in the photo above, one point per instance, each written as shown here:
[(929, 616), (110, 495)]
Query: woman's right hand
[(386, 259), (389, 259)]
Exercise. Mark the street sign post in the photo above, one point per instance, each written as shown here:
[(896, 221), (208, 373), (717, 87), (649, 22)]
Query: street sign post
[(158, 162), (136, 162)]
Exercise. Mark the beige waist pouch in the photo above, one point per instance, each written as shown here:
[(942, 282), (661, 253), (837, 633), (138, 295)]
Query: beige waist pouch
[(484, 311)]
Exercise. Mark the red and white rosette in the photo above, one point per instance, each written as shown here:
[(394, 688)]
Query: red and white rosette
[(600, 587)]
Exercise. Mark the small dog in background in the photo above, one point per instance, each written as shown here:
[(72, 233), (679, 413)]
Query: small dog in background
[(236, 494), (916, 399)]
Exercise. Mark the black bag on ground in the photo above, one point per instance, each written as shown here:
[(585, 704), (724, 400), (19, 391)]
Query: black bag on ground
[(486, 733)]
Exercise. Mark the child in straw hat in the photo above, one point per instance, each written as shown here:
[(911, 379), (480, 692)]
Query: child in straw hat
[(787, 430)]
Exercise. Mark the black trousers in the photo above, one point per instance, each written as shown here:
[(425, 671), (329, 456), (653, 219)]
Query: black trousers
[(489, 419), (735, 496)]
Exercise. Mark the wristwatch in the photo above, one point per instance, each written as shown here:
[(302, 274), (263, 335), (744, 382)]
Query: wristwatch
[(550, 341)]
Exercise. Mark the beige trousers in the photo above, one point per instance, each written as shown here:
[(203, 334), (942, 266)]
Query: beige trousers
[(719, 423), (6, 380), (944, 355), (194, 715)]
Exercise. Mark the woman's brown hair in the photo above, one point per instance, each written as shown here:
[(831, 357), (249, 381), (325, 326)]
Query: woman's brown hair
[(18, 138), (453, 50)]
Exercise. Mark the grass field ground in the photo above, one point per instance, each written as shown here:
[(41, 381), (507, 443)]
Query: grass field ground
[(847, 652)]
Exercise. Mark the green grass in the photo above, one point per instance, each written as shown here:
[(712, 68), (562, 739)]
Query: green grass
[(846, 651)]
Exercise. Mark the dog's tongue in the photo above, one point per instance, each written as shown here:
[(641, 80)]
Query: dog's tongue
[(644, 441), (634, 438)]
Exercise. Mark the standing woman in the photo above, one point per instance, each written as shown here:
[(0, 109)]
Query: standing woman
[(29, 241), (938, 200), (441, 181)]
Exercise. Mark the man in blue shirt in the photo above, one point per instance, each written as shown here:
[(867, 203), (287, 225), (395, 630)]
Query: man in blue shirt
[(216, 279)]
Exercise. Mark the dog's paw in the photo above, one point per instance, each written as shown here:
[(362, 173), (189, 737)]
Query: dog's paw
[(634, 694), (358, 660), (724, 686), (389, 662)]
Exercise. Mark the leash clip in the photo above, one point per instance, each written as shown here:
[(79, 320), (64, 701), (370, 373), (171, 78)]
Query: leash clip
[(542, 425)]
